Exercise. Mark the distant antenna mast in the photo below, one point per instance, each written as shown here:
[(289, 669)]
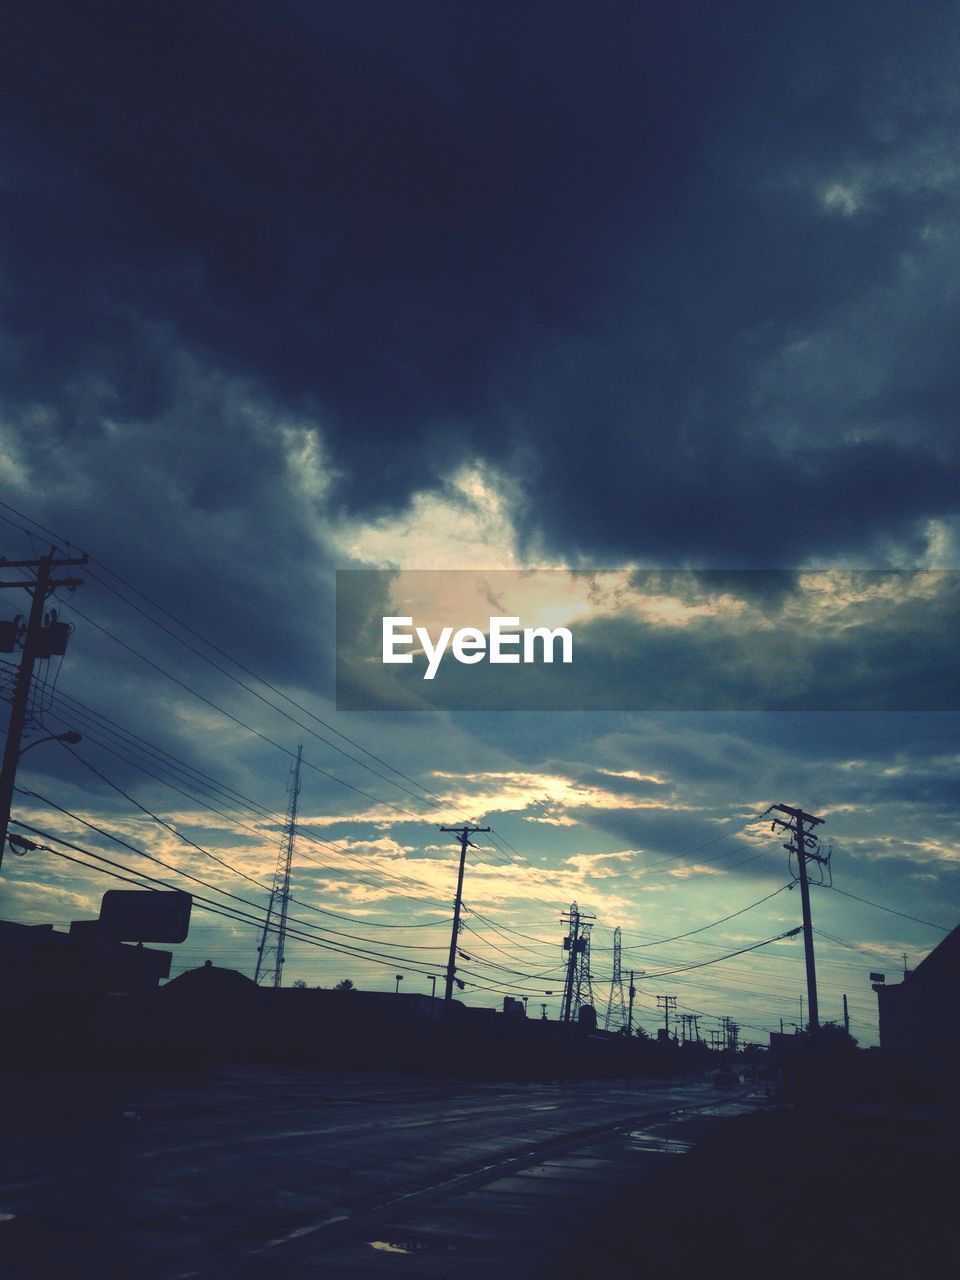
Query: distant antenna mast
[(273, 940)]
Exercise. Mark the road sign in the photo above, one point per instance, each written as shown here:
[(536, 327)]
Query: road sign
[(135, 915)]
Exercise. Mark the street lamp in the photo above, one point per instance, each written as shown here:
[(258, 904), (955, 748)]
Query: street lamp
[(8, 772), (70, 737), (396, 990)]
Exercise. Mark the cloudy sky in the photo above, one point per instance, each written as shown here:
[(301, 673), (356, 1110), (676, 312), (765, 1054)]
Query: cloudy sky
[(296, 287)]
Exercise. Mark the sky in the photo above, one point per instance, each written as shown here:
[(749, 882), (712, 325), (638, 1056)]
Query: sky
[(294, 288)]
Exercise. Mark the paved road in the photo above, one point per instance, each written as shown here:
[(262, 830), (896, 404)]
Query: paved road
[(291, 1174)]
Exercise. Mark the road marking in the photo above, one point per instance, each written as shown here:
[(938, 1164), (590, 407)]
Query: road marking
[(308, 1230)]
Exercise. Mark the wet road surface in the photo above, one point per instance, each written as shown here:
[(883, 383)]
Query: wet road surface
[(294, 1174)]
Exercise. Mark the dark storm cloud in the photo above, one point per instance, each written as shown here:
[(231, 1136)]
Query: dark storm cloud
[(597, 247)]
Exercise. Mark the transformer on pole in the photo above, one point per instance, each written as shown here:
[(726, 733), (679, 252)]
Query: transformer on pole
[(577, 982), (270, 952)]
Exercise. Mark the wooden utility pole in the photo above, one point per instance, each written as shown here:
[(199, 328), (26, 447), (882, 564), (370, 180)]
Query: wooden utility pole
[(34, 648), (571, 942), (804, 845), (464, 834), (575, 943), (666, 1003)]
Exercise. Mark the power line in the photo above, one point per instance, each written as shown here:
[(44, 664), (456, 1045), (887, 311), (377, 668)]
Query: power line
[(640, 946), (879, 906), (233, 913), (436, 801), (226, 893), (703, 964), (505, 929), (193, 844), (242, 723), (222, 652), (256, 809)]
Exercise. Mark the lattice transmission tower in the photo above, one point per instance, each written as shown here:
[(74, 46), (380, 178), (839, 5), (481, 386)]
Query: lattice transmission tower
[(583, 984), (273, 940), (616, 1018)]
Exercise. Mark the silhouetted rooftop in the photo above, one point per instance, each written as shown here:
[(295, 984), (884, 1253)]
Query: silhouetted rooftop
[(210, 979), (942, 964)]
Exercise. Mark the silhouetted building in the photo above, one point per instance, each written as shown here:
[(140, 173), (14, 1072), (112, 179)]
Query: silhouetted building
[(923, 1011), (40, 960), (210, 984)]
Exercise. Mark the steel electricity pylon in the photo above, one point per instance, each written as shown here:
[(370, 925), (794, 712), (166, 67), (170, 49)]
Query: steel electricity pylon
[(583, 986), (616, 1018)]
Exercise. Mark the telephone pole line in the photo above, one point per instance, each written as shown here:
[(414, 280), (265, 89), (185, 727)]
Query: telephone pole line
[(463, 833), (730, 1034), (42, 638), (666, 1003), (804, 845)]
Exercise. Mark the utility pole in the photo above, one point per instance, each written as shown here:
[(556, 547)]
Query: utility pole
[(632, 990), (804, 845), (666, 1003), (42, 639), (730, 1032), (846, 1016), (690, 1031), (464, 833), (577, 944), (280, 892), (571, 944)]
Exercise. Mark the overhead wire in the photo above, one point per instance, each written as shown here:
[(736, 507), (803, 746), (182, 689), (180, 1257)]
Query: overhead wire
[(258, 810), (304, 835), (436, 800), (639, 946), (234, 913), (226, 893), (880, 907), (657, 869)]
